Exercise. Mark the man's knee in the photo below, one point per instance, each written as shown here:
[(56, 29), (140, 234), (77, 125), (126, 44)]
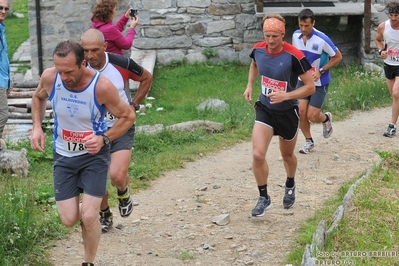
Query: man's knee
[(258, 158), (119, 178), (68, 220), (89, 218)]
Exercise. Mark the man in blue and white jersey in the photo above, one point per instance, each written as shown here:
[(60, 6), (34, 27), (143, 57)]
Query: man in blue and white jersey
[(80, 97), (322, 54)]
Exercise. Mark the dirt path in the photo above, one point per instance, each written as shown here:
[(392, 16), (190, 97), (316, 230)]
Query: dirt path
[(174, 216)]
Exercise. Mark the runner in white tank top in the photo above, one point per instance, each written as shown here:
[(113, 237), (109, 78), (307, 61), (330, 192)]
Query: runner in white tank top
[(118, 69), (387, 42)]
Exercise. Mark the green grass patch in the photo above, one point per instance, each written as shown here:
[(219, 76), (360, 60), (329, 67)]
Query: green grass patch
[(371, 224), (368, 232), (354, 89)]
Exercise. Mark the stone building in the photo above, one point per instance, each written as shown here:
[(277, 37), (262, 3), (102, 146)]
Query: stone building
[(183, 29)]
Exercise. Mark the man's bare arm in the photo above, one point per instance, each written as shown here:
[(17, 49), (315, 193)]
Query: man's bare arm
[(39, 103), (145, 84), (379, 37), (252, 75)]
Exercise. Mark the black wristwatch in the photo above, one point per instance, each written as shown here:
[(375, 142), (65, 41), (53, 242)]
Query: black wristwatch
[(136, 106), (380, 51), (106, 139), (322, 70)]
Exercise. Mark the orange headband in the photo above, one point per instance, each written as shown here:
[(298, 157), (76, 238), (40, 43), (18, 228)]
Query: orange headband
[(274, 24)]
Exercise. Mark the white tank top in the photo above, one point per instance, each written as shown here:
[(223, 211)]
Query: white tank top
[(112, 73), (76, 114), (391, 38)]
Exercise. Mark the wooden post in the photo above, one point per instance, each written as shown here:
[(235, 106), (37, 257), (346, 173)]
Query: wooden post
[(367, 26), (259, 5)]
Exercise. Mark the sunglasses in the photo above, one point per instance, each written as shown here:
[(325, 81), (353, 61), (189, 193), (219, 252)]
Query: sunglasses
[(4, 8)]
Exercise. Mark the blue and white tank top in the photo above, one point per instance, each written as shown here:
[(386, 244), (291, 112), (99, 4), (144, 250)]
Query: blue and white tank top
[(77, 114)]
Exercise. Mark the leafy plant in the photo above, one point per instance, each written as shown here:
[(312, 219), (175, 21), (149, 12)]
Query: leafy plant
[(209, 53)]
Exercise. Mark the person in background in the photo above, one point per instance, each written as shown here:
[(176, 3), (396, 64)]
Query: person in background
[(102, 19), (323, 55), (5, 78), (118, 69), (80, 98), (279, 64), (388, 32)]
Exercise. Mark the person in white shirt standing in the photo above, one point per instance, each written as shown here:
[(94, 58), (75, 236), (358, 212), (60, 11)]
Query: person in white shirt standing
[(322, 54)]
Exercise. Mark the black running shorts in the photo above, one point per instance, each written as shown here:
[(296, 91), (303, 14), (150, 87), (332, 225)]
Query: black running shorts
[(284, 123)]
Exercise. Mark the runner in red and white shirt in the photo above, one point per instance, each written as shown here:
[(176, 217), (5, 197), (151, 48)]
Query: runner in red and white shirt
[(118, 69), (279, 64)]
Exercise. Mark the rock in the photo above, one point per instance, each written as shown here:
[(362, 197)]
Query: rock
[(14, 161), (213, 104), (222, 219)]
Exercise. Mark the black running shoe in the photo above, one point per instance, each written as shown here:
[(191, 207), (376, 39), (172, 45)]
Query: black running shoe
[(125, 203), (106, 221), (263, 205), (289, 197)]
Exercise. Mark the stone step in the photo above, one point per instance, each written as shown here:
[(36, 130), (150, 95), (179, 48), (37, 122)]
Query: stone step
[(146, 59)]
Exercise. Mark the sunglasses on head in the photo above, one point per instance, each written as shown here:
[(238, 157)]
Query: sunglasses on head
[(4, 8)]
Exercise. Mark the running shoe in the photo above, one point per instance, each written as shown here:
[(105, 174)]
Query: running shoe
[(327, 126), (125, 203), (87, 264), (263, 205), (307, 147), (391, 131), (289, 197), (106, 221)]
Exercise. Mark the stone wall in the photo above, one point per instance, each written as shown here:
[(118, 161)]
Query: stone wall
[(181, 29)]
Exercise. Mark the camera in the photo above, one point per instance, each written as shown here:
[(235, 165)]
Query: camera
[(133, 12)]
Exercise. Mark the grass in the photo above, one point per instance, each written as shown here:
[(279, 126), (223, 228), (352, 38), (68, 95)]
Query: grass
[(371, 224), (363, 90), (368, 232), (28, 215), (186, 255)]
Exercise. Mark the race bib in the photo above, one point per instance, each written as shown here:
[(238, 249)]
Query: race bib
[(73, 140), (269, 84), (110, 117), (393, 54)]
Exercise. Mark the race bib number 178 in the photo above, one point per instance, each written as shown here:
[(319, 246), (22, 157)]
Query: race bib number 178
[(73, 140)]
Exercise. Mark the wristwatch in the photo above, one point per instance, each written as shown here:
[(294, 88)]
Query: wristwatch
[(136, 106), (106, 139), (322, 71), (380, 51)]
